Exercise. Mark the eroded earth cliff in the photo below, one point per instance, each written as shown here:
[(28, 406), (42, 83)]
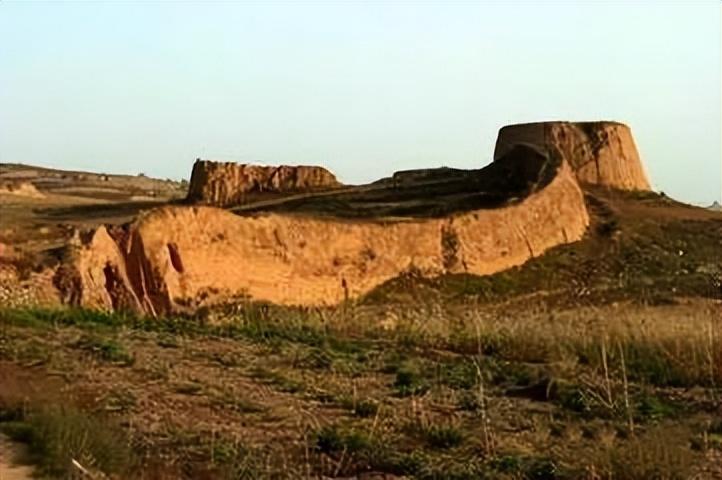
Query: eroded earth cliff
[(178, 258), (601, 153), (329, 243), (225, 184)]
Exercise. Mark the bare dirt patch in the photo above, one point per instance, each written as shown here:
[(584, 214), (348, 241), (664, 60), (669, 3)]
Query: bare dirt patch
[(10, 455)]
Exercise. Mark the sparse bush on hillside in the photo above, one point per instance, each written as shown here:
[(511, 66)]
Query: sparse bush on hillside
[(57, 436)]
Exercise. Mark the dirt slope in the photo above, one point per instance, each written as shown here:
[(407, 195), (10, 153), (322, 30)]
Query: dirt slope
[(601, 153), (9, 468)]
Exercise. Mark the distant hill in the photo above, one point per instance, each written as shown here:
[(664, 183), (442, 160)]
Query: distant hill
[(715, 207), (92, 185)]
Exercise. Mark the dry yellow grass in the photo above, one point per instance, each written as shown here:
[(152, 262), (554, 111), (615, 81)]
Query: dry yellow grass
[(437, 393)]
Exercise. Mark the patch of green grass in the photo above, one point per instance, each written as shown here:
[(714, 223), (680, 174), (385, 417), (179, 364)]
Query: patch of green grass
[(32, 352), (647, 361), (469, 401), (97, 320), (439, 470), (655, 458), (367, 452), (669, 362), (166, 340), (365, 408), (108, 349), (42, 317), (526, 467), (364, 452), (17, 430), (715, 426), (297, 326), (221, 458), (572, 397), (715, 440), (459, 374), (278, 380), (653, 364), (400, 463), (442, 436), (238, 404), (511, 374), (385, 452), (422, 465), (11, 413), (333, 439), (410, 380), (22, 317), (318, 358), (542, 469), (587, 401), (651, 407), (487, 286), (268, 329), (360, 407), (438, 436), (507, 463), (234, 461)]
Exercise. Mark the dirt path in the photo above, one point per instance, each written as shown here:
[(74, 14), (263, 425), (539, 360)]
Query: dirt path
[(9, 452)]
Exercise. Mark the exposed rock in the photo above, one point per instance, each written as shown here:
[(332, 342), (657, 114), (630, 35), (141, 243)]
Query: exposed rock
[(179, 258), (225, 183), (95, 271), (602, 153)]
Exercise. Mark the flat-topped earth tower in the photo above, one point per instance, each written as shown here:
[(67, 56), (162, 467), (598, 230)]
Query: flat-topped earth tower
[(600, 153)]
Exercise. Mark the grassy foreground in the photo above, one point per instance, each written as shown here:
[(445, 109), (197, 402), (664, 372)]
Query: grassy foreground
[(623, 392)]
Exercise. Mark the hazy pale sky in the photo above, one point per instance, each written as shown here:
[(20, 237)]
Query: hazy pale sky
[(364, 88)]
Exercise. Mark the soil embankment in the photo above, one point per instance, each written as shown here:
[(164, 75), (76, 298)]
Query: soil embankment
[(179, 258)]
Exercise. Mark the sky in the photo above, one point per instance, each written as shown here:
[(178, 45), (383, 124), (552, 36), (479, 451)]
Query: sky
[(363, 88)]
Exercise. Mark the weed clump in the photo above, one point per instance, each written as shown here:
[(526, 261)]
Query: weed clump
[(57, 436), (442, 436), (107, 349), (360, 407), (332, 439), (409, 381)]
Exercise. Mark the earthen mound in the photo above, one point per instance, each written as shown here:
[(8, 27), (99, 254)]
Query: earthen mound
[(602, 153), (20, 189), (179, 258), (226, 184)]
